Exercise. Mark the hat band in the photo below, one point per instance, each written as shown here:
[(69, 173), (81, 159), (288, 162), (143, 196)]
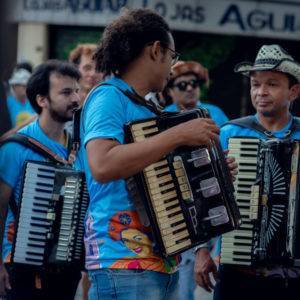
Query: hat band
[(267, 61)]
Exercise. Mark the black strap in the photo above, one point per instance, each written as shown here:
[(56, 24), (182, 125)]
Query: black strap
[(36, 146), (137, 99), (251, 123), (13, 205)]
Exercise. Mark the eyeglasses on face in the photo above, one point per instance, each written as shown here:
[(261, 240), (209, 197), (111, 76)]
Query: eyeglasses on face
[(182, 85), (175, 55)]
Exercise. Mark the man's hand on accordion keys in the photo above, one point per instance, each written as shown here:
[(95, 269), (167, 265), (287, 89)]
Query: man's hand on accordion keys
[(197, 132), (232, 165)]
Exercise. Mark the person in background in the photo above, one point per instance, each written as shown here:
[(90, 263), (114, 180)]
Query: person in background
[(82, 57), (184, 90), (274, 86), (19, 108)]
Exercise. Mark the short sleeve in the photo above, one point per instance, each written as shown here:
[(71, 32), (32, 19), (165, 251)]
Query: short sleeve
[(224, 136), (10, 163), (104, 116)]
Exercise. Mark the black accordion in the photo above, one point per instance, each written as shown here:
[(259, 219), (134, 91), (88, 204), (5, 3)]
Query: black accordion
[(50, 222), (267, 192), (187, 197)]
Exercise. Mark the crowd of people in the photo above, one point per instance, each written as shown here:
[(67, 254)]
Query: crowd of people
[(113, 84)]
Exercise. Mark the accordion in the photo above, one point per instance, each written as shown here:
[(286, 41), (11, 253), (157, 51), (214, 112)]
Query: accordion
[(50, 222), (187, 197), (267, 192)]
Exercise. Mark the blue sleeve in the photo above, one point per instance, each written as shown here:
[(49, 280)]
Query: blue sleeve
[(11, 163), (104, 116), (224, 136), (220, 116)]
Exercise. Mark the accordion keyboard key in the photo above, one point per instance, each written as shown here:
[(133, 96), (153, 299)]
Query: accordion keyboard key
[(178, 246)]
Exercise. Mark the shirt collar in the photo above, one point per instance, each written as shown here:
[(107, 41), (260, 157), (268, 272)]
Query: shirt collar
[(284, 129)]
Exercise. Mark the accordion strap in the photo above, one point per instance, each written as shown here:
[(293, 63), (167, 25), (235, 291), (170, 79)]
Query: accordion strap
[(36, 146), (134, 97), (251, 123)]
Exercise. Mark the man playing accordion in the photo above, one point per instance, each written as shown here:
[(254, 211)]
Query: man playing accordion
[(274, 85)]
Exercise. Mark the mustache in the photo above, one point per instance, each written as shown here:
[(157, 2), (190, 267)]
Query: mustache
[(73, 107)]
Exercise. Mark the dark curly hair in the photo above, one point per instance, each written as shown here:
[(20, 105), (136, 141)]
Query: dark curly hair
[(39, 82), (125, 38)]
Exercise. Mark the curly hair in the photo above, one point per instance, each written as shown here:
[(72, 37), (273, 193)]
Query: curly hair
[(125, 38), (81, 49)]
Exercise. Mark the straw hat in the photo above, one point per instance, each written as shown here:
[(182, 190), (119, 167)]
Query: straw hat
[(271, 58)]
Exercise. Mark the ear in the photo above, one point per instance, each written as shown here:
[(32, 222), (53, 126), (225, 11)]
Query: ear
[(294, 92), (155, 50), (42, 101)]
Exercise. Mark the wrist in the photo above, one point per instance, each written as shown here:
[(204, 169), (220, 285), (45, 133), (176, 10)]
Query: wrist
[(176, 137), (200, 248)]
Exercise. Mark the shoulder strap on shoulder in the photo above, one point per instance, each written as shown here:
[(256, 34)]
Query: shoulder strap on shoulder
[(36, 146), (134, 97), (251, 123)]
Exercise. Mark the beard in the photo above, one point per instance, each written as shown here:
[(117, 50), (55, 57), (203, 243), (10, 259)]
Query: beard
[(62, 116), (59, 116)]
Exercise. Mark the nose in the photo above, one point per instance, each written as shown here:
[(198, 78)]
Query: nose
[(76, 98), (189, 87), (263, 89)]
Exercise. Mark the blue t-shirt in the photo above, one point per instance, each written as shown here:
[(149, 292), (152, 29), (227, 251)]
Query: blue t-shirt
[(19, 112), (114, 236), (12, 158), (215, 112), (230, 130)]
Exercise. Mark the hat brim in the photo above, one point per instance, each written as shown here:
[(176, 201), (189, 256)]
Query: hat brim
[(285, 66)]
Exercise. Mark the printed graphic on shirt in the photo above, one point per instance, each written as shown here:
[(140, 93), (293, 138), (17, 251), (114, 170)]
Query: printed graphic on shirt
[(126, 228)]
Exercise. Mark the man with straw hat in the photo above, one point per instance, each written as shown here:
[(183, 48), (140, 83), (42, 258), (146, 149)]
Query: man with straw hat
[(274, 85)]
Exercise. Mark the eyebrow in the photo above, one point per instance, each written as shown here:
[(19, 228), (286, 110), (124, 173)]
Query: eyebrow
[(67, 89)]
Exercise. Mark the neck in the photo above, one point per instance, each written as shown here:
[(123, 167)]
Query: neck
[(53, 129), (275, 123), (82, 94), (136, 77)]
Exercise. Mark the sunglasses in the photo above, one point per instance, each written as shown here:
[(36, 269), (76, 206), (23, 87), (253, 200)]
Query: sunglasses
[(182, 85)]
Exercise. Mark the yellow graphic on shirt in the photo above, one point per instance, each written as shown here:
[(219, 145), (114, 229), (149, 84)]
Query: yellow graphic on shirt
[(23, 117)]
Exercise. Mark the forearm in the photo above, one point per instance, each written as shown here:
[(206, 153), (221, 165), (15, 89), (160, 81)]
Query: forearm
[(126, 160)]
